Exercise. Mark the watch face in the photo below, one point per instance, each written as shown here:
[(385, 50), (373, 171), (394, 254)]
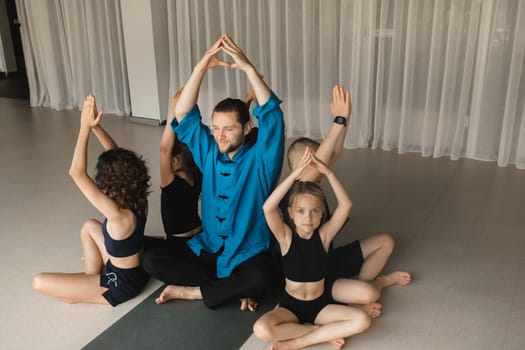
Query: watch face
[(340, 120)]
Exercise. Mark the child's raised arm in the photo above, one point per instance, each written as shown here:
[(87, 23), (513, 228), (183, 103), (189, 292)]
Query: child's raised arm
[(271, 206), (341, 106), (332, 145), (103, 137), (330, 228), (166, 144), (78, 169)]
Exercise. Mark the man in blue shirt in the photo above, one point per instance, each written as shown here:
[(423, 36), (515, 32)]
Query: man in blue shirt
[(230, 258)]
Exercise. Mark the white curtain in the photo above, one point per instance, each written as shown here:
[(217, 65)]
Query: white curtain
[(73, 48), (3, 65), (439, 77), (4, 24)]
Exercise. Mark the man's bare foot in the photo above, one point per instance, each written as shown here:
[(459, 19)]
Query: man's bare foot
[(373, 309), (179, 292), (399, 278), (337, 343), (248, 303)]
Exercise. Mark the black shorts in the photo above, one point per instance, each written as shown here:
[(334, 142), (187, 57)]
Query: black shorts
[(343, 262), (122, 284), (305, 310)]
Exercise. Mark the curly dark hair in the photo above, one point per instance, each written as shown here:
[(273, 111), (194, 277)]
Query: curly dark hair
[(123, 176)]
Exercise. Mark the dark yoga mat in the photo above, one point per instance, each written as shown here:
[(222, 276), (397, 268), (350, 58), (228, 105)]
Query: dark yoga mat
[(181, 324)]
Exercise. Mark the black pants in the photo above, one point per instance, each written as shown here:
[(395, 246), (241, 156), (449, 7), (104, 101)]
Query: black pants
[(173, 262)]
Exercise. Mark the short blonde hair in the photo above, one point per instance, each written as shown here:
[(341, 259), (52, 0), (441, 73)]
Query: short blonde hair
[(297, 148)]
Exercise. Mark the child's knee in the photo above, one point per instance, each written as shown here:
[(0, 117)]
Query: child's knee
[(362, 321), (367, 293), (39, 282), (387, 242), (87, 229), (263, 330), (370, 294)]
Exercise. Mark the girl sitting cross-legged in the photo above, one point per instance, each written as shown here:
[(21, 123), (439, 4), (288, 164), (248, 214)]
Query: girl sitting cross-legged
[(113, 248), (304, 316)]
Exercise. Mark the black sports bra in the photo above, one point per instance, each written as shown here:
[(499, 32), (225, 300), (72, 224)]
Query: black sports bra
[(127, 246), (306, 259)]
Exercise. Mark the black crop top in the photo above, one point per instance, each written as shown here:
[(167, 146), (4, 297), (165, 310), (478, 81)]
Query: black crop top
[(306, 260), (179, 205), (127, 246)]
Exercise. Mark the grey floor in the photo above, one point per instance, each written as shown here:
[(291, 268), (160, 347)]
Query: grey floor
[(459, 228)]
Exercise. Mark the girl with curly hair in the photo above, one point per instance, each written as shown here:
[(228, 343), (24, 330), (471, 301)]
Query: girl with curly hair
[(113, 248)]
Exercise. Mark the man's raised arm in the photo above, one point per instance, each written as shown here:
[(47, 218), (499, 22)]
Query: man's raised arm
[(188, 97), (261, 90)]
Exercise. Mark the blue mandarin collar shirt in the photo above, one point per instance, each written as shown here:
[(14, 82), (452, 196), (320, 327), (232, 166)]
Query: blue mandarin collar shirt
[(234, 191)]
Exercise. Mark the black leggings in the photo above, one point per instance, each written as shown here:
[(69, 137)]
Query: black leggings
[(173, 262)]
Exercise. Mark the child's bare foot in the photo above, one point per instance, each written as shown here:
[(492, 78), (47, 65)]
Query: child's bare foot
[(399, 278), (373, 309), (288, 345), (338, 343), (275, 345), (177, 292), (281, 345), (248, 303)]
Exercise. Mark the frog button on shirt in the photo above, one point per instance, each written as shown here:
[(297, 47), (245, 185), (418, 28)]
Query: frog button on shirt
[(223, 203)]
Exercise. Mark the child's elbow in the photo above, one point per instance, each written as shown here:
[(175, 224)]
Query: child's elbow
[(348, 207), (75, 173), (165, 149), (268, 209)]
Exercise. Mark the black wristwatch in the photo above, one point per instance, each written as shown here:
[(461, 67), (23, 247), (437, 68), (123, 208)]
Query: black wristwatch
[(340, 120)]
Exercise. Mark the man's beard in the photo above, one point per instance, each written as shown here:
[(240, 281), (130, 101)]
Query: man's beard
[(231, 148)]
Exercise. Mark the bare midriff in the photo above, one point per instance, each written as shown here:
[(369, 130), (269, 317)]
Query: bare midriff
[(305, 290)]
